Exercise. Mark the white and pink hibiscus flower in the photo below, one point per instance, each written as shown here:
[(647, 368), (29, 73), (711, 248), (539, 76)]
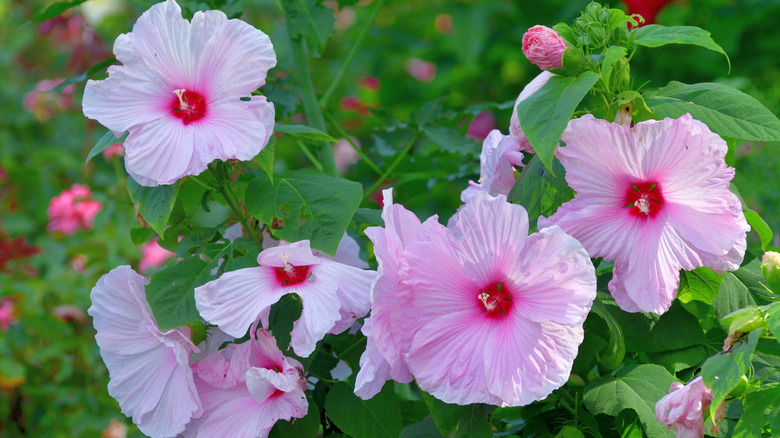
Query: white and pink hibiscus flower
[(183, 92), (654, 199), (149, 370), (333, 294), (480, 311), (246, 388)]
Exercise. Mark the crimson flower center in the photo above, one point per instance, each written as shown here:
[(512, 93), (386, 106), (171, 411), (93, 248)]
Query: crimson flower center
[(644, 199), (495, 300), (289, 275), (187, 105)]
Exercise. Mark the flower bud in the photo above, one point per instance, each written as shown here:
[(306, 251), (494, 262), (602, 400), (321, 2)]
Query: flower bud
[(543, 47), (770, 267)]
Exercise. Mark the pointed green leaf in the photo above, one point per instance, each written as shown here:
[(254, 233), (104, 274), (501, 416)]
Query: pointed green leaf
[(723, 372), (546, 113), (378, 417), (655, 35), (310, 20), (303, 131), (540, 191), (726, 110), (56, 9), (106, 141), (761, 228), (154, 203)]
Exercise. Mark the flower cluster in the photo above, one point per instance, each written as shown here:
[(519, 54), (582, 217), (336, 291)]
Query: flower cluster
[(73, 209)]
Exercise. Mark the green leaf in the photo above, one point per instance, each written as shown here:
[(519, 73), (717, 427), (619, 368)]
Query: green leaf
[(305, 427), (733, 295), (570, 432), (611, 56), (445, 415), (154, 203), (546, 113), (754, 416), (673, 330), (107, 140), (636, 387), (616, 348), (170, 292), (751, 276), (773, 320), (726, 110), (655, 35), (413, 411), (760, 227), (265, 159), (701, 284), (56, 9), (99, 67), (283, 315), (422, 429), (450, 140), (476, 422), (723, 371), (540, 191), (378, 417), (306, 205), (140, 235), (303, 131), (678, 360), (310, 20)]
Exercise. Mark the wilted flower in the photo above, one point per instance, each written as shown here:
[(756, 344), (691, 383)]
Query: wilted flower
[(514, 123), (543, 47), (683, 408), (497, 161), (149, 370), (183, 93), (72, 210), (654, 199), (333, 294), (480, 311), (423, 71), (246, 388)]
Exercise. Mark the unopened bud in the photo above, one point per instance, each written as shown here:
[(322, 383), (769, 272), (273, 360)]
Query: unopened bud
[(543, 47), (770, 267)]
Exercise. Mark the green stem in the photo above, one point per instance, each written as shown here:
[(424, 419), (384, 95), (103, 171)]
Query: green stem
[(360, 153), (392, 167), (310, 105), (309, 155), (203, 184), (229, 196), (336, 82)]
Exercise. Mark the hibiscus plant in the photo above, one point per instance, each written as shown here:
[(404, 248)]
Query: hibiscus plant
[(601, 276)]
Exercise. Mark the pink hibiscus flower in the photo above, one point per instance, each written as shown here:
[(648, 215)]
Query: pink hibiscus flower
[(334, 295), (183, 93), (655, 199), (484, 313), (72, 210), (246, 388), (683, 408), (149, 369)]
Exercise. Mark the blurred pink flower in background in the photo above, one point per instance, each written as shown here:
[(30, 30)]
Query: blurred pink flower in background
[(683, 408), (178, 93), (72, 210), (79, 262), (344, 154), (370, 83), (45, 104), (69, 313), (70, 32), (153, 255), (6, 313), (655, 199), (648, 9), (443, 24), (481, 125), (114, 151), (423, 71), (543, 47)]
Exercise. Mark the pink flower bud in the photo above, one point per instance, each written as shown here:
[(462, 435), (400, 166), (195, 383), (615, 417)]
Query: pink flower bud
[(543, 47)]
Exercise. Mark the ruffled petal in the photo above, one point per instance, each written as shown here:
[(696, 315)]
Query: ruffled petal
[(354, 287), (526, 361), (556, 280), (236, 299)]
